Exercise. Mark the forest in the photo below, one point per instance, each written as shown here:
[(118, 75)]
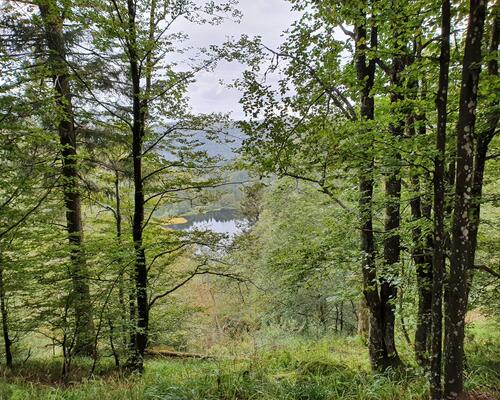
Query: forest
[(216, 200)]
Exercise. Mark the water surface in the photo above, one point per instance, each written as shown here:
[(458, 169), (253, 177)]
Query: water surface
[(225, 221)]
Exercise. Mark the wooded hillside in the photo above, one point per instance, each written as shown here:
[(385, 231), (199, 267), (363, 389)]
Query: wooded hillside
[(338, 241)]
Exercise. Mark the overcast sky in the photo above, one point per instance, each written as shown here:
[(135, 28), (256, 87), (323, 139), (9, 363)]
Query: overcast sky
[(267, 18)]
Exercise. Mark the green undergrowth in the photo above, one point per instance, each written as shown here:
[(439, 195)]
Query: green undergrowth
[(297, 368)]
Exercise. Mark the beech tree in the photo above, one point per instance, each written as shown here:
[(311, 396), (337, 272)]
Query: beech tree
[(461, 242), (156, 115), (280, 143), (438, 262)]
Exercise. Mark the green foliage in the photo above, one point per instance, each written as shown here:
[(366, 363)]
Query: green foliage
[(294, 274), (296, 255)]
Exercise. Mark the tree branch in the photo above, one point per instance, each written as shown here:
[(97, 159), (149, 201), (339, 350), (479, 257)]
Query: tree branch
[(486, 269)]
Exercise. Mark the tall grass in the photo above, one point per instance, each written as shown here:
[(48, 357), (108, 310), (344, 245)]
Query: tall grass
[(291, 368)]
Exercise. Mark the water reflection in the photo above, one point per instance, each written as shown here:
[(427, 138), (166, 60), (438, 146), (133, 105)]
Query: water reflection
[(225, 221)]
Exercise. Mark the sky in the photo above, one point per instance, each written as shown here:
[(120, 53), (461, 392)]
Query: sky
[(266, 18)]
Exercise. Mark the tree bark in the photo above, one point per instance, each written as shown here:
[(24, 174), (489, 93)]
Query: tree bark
[(366, 74), (363, 319), (53, 22), (138, 126), (121, 282), (439, 206), (421, 208), (341, 316), (464, 179), (5, 319), (381, 356), (423, 267), (392, 241), (483, 139)]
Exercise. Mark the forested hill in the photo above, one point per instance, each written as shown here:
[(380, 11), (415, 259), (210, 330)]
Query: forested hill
[(221, 142), (223, 146), (226, 146)]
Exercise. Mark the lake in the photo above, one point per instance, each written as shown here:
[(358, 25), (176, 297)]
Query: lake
[(226, 221)]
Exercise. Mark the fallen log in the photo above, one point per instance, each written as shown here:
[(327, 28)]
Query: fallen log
[(178, 354)]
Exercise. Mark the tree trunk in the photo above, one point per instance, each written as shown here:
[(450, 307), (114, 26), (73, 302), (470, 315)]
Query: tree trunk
[(421, 208), (53, 22), (483, 140), (366, 74), (439, 206), (121, 281), (141, 274), (461, 239), (5, 319), (341, 316), (424, 281), (380, 326), (392, 245)]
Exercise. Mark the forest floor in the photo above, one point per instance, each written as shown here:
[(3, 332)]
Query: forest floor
[(292, 368)]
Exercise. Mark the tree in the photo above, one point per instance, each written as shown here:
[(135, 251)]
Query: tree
[(297, 258), (381, 341), (460, 252), (308, 135), (53, 18), (439, 204), (161, 128)]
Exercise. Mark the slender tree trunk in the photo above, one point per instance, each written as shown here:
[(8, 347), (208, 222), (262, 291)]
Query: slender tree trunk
[(428, 248), (336, 318), (380, 357), (121, 281), (461, 240), (118, 211), (421, 208), (439, 206), (127, 311), (132, 318), (125, 320), (53, 22), (392, 245), (483, 140), (138, 126), (341, 316), (424, 280), (116, 356), (5, 319), (366, 74)]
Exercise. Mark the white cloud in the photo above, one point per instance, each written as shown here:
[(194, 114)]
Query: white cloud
[(265, 18)]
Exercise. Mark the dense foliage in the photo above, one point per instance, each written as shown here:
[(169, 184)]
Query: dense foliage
[(359, 193)]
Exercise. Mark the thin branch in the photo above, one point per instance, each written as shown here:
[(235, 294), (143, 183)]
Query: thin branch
[(336, 95), (194, 187), (346, 31), (383, 66), (25, 216), (486, 269), (322, 185), (190, 277), (95, 97)]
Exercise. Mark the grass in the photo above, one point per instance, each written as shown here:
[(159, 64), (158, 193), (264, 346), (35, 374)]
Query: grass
[(296, 368), (483, 357)]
